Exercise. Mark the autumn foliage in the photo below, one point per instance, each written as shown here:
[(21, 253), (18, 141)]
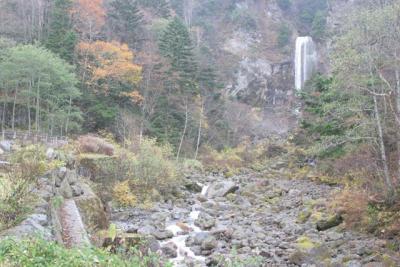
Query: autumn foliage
[(110, 61), (90, 17)]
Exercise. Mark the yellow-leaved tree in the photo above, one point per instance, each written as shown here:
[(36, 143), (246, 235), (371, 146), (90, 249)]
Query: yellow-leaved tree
[(108, 63)]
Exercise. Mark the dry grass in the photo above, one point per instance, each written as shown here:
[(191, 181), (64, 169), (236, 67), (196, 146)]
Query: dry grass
[(94, 144)]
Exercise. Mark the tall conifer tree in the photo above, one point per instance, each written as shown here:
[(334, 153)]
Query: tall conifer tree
[(62, 38)]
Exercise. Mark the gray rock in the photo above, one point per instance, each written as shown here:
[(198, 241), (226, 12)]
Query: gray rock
[(38, 218), (221, 189), (162, 235), (76, 190), (333, 221), (209, 243), (193, 187), (146, 230), (72, 177), (205, 221), (62, 172), (153, 244), (197, 239), (50, 153), (6, 145), (28, 228), (353, 263), (170, 250), (65, 189)]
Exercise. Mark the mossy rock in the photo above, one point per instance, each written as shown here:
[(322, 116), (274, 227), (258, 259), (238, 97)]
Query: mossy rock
[(303, 216), (94, 166), (305, 243), (331, 222), (310, 252), (231, 197), (92, 210)]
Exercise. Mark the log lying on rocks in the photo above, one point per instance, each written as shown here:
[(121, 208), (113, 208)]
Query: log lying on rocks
[(333, 221)]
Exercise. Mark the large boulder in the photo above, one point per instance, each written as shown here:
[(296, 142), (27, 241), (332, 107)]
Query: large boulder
[(65, 189), (331, 222), (193, 187), (50, 153), (162, 235), (204, 221), (221, 189), (209, 243), (91, 208), (170, 250), (33, 226), (197, 239), (6, 145)]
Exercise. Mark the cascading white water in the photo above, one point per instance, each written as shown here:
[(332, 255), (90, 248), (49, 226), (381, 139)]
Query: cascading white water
[(305, 60), (179, 239)]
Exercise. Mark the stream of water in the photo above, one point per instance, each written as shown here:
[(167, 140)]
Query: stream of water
[(180, 236)]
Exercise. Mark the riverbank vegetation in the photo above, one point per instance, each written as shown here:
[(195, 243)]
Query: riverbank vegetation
[(350, 121)]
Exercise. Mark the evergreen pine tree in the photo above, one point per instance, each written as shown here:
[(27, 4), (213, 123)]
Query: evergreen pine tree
[(61, 38), (126, 20), (176, 46)]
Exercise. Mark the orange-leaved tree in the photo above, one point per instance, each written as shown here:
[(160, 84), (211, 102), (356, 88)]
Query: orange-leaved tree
[(108, 64), (89, 16)]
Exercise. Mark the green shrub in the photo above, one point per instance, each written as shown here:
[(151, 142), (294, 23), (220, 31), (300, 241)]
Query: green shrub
[(284, 4), (152, 173), (319, 25), (243, 19), (28, 164), (284, 35), (191, 165), (38, 252)]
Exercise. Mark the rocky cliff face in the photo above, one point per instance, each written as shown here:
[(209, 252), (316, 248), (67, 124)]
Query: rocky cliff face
[(251, 45), (254, 63)]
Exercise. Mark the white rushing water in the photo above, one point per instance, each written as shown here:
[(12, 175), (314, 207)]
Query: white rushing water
[(180, 237), (305, 60)]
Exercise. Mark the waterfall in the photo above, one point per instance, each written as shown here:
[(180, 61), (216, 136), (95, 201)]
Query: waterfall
[(305, 60)]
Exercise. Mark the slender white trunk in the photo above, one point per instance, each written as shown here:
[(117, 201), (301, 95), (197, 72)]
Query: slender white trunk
[(397, 74), (68, 115), (37, 107), (199, 132), (184, 130), (13, 111), (386, 173), (3, 117)]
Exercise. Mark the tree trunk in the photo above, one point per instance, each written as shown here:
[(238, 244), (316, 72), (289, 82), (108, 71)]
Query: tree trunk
[(199, 132), (29, 107), (68, 115), (184, 130), (397, 74), (3, 116), (37, 107), (386, 174), (13, 111)]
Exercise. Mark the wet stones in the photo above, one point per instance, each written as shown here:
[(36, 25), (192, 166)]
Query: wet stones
[(221, 189), (205, 221), (162, 235), (170, 250)]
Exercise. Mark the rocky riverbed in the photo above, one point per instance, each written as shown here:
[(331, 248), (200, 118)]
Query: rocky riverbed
[(258, 221)]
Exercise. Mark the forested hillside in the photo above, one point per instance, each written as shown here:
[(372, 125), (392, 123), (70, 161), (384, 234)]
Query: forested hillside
[(200, 133)]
